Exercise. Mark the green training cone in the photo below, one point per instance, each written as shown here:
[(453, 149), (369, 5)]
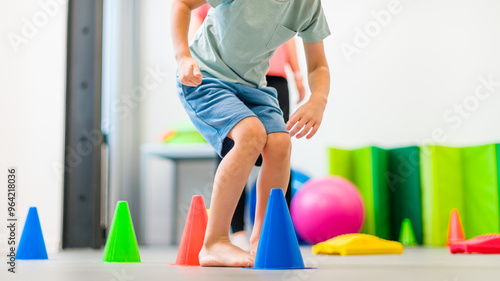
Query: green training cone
[(407, 236), (121, 245)]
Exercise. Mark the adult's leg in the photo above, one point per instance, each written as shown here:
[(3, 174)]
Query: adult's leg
[(239, 237), (250, 138), (281, 86), (238, 220), (274, 173)]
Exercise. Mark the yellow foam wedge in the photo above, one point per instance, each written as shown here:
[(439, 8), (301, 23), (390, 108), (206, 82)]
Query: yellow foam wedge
[(357, 244)]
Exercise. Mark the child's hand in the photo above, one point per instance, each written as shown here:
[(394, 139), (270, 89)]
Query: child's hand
[(306, 119), (189, 72)]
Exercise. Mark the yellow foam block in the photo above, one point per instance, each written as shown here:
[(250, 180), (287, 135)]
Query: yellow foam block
[(357, 244)]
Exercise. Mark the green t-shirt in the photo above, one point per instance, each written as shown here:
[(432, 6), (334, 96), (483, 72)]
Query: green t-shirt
[(238, 37)]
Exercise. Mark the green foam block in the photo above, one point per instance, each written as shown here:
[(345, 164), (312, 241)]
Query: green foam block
[(366, 168), (341, 163), (497, 146), (405, 197), (442, 190), (480, 172)]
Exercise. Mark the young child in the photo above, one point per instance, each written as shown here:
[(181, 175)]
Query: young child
[(222, 86), (276, 77)]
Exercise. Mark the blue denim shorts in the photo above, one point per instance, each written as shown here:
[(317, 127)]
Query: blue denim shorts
[(216, 106)]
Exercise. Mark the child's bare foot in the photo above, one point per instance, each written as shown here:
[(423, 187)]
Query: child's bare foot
[(240, 239), (224, 253)]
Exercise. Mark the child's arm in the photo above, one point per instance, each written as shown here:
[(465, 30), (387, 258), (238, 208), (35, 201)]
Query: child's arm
[(187, 68), (307, 118)]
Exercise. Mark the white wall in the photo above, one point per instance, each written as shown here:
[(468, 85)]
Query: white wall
[(161, 107), (32, 85), (394, 91)]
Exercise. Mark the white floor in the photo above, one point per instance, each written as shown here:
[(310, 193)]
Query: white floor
[(430, 264)]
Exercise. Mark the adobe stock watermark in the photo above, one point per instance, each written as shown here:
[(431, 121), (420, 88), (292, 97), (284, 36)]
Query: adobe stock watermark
[(455, 115), (206, 192), (122, 276), (312, 263), (90, 140), (460, 111), (464, 109), (31, 27), (364, 36), (74, 156), (153, 78), (406, 167)]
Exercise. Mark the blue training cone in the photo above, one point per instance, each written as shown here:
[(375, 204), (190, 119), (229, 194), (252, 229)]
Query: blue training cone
[(278, 247), (32, 246)]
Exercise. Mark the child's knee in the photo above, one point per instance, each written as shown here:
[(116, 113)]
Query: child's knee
[(251, 135), (278, 146)]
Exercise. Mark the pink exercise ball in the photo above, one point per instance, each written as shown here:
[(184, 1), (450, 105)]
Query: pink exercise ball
[(327, 207)]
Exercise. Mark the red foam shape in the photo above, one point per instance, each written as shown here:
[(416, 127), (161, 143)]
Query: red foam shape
[(484, 244)]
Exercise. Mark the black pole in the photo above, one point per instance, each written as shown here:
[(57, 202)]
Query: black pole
[(83, 140)]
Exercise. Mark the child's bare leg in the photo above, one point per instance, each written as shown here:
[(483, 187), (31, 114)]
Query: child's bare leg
[(249, 137), (274, 173)]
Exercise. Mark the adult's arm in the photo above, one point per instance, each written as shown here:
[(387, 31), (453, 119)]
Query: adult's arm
[(294, 65)]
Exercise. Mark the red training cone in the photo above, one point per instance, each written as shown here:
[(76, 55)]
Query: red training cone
[(455, 229), (194, 233)]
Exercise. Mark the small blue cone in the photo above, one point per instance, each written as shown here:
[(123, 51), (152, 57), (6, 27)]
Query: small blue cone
[(278, 247), (32, 246)]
